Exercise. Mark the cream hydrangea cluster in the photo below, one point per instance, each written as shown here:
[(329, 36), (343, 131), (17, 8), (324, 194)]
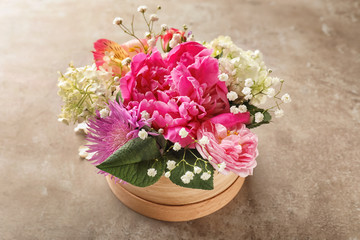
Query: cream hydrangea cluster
[(85, 90), (244, 72)]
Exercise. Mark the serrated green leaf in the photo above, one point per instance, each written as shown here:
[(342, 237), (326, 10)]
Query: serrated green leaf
[(131, 162), (183, 167)]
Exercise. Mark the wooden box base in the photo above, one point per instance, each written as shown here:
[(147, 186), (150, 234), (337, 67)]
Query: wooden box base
[(168, 202)]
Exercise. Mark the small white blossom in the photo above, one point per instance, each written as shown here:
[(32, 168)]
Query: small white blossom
[(248, 97), (210, 158), (246, 91), (63, 120), (177, 37), (185, 179), (189, 175), (242, 108), (151, 172), (183, 133), (270, 92), (142, 9), (171, 164), (164, 27), (234, 110), (161, 131), (117, 21), (167, 174), (286, 98), (259, 117), (177, 146), (90, 155), (279, 113), (152, 42), (145, 114), (126, 61), (222, 166), (205, 176), (154, 17), (232, 96), (223, 77), (197, 170), (104, 113), (143, 134), (249, 82)]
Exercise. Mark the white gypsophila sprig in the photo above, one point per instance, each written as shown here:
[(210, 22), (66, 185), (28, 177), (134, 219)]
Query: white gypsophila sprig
[(170, 164), (143, 134), (85, 90), (183, 133), (151, 172), (177, 146), (259, 117), (205, 176)]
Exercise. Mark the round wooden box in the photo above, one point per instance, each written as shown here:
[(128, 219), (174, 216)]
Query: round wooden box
[(168, 202)]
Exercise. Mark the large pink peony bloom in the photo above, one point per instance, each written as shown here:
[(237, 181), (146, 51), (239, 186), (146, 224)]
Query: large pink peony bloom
[(233, 144), (181, 91)]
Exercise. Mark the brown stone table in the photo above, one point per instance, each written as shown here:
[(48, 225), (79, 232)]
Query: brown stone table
[(306, 185)]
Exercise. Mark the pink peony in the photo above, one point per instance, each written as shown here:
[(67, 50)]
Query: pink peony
[(181, 91), (235, 145)]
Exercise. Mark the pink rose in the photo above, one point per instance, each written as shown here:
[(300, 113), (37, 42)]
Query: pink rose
[(234, 145), (181, 91)]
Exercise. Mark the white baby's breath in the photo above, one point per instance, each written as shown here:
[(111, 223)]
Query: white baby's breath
[(104, 113), (183, 133), (142, 9), (259, 117), (197, 170), (223, 77), (151, 172), (232, 96), (279, 113), (205, 176), (143, 134), (167, 174), (246, 91), (222, 166), (177, 146), (154, 17), (170, 164), (242, 108), (145, 114), (234, 110), (117, 21), (204, 140), (286, 98), (249, 82)]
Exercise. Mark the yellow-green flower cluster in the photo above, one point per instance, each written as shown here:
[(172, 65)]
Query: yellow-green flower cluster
[(84, 90), (244, 72)]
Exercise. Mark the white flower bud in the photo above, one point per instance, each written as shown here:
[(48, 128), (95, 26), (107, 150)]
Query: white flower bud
[(222, 166), (142, 9), (126, 61), (190, 175), (234, 110), (270, 92), (154, 17), (145, 115), (185, 179), (167, 174), (164, 27), (152, 42), (117, 21)]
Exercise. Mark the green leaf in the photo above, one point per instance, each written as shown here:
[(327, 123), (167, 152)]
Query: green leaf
[(119, 97), (132, 161), (252, 109), (184, 166)]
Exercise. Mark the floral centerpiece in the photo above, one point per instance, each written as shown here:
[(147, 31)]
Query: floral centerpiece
[(167, 105)]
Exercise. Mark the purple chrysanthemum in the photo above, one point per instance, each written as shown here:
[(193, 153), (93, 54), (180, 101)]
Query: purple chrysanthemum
[(106, 135)]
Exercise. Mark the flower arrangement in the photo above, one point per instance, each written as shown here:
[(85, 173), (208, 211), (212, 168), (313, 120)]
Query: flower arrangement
[(183, 112)]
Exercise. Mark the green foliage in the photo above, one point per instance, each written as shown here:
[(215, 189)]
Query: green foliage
[(182, 166), (132, 161)]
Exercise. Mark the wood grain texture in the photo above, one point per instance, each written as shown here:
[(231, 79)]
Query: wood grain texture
[(177, 212)]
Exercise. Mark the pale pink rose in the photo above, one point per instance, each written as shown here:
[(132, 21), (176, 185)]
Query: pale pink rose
[(235, 145)]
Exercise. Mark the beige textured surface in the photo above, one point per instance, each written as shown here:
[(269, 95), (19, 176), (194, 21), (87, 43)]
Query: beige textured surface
[(306, 185)]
